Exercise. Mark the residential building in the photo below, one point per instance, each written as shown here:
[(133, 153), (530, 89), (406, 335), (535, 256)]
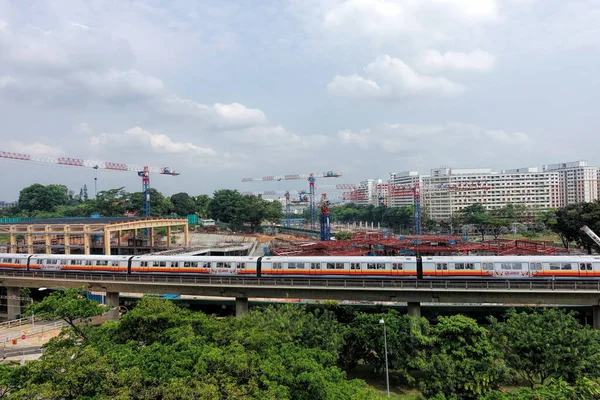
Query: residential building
[(401, 191), (578, 181), (447, 191)]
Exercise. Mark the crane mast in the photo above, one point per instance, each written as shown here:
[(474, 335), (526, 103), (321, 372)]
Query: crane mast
[(142, 171)]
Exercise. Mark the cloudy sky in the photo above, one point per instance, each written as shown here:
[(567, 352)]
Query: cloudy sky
[(222, 90)]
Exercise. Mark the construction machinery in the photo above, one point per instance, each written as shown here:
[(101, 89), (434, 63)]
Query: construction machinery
[(312, 177), (591, 234), (142, 171), (325, 223)]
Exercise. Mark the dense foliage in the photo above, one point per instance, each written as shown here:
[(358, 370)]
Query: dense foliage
[(161, 351), (228, 206)]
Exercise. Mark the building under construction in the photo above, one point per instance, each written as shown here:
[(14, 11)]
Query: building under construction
[(105, 235)]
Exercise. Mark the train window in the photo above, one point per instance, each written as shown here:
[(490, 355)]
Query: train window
[(194, 264), (506, 265), (155, 263), (174, 264), (291, 265), (88, 262), (589, 266), (220, 265), (102, 263), (371, 266), (517, 266), (186, 264), (241, 265), (339, 265), (441, 266), (330, 265), (535, 266), (143, 263), (566, 266), (582, 266), (459, 266), (487, 266), (380, 266), (469, 266), (115, 263), (554, 266), (396, 266), (206, 265)]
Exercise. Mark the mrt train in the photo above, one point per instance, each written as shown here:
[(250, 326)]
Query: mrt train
[(469, 267)]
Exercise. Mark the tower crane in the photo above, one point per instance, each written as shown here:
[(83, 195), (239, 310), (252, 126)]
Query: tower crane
[(312, 177), (591, 234), (142, 171)]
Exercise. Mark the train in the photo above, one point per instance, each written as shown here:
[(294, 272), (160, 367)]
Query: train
[(425, 267)]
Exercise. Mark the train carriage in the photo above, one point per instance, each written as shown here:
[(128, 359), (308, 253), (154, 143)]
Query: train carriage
[(203, 265), (339, 266), (13, 261), (78, 263)]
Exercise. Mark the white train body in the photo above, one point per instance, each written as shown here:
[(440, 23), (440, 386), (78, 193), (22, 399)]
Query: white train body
[(464, 267)]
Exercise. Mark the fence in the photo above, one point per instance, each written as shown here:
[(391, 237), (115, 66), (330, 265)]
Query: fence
[(14, 220)]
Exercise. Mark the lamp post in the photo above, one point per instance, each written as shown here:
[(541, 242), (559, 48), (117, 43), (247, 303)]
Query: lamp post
[(387, 373)]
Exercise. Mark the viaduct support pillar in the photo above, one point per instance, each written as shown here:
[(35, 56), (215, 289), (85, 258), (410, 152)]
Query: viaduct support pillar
[(168, 236), (13, 303), (414, 309), (112, 301), (596, 317), (241, 306)]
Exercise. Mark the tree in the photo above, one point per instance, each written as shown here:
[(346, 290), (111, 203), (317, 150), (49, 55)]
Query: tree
[(475, 214), (225, 204), (85, 192), (555, 389), (160, 205), (203, 205), (112, 203), (35, 198), (571, 218), (183, 204), (406, 338), (547, 343), (462, 362), (67, 305)]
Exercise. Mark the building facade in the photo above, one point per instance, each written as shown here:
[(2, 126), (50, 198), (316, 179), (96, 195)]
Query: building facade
[(578, 181), (401, 191), (447, 191)]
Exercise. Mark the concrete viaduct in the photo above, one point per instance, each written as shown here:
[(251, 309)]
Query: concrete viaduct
[(414, 292)]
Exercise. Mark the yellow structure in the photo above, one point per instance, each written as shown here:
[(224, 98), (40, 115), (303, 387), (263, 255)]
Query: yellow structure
[(70, 229)]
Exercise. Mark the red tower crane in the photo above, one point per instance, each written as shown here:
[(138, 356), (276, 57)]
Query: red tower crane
[(312, 177), (142, 171)]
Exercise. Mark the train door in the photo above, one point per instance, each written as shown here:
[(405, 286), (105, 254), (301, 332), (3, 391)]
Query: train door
[(354, 268), (585, 269), (535, 268), (441, 269), (397, 269)]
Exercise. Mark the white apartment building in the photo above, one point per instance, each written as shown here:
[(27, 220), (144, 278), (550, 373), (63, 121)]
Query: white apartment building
[(447, 191), (578, 181), (367, 192), (400, 191)]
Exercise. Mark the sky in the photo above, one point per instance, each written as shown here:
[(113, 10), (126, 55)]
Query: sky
[(222, 90)]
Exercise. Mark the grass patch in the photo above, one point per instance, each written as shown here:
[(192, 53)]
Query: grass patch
[(4, 239)]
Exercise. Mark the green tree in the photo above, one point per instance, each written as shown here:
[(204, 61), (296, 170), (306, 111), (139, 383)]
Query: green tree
[(160, 205), (547, 343), (183, 204), (68, 305), (203, 205), (112, 202), (225, 205), (462, 363), (35, 198), (476, 215), (555, 389), (407, 337)]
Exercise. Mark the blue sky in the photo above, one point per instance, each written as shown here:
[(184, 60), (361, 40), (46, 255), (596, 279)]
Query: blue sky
[(221, 90)]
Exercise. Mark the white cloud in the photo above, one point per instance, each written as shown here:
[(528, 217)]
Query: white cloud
[(35, 148), (382, 19), (390, 78), (139, 138), (476, 60), (448, 141), (5, 81)]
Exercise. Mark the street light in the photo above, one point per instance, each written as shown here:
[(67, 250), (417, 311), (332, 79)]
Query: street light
[(387, 373)]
